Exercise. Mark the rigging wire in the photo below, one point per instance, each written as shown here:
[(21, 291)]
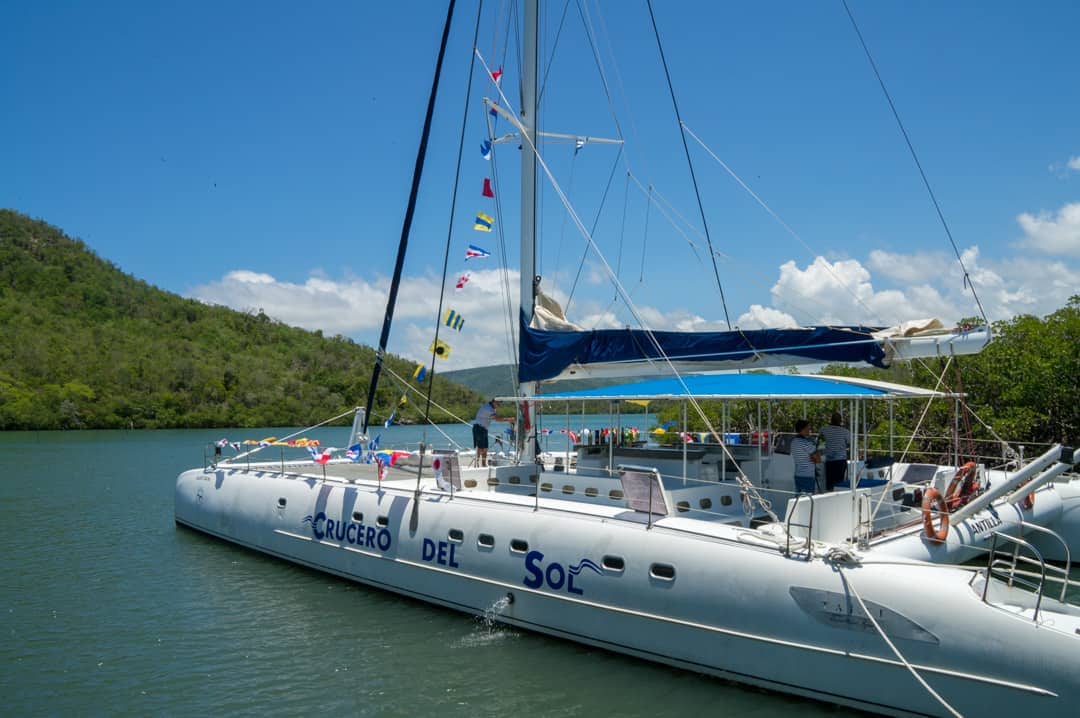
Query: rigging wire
[(787, 227), (744, 483), (410, 209), (690, 163), (450, 224), (911, 148)]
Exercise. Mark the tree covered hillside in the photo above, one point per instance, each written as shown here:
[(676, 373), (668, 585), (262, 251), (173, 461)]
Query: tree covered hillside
[(83, 345)]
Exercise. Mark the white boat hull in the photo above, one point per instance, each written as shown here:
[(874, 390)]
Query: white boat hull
[(734, 609)]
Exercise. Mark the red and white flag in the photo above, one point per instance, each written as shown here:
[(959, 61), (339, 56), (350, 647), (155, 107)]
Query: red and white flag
[(462, 281)]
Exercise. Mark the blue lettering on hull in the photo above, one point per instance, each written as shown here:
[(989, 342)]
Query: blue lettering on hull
[(349, 532), (556, 577)]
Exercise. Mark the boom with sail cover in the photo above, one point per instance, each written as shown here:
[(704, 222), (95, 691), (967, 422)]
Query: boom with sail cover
[(546, 354)]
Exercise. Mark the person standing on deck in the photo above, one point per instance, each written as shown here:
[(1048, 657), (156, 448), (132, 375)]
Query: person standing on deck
[(484, 416), (805, 455), (837, 444)]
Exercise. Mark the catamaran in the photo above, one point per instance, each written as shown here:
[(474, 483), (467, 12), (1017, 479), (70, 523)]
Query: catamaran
[(703, 556)]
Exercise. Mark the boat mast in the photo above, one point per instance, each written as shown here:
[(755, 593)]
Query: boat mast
[(528, 195), (403, 243)]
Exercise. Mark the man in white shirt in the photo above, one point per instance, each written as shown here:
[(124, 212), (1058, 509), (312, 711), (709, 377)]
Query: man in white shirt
[(484, 416)]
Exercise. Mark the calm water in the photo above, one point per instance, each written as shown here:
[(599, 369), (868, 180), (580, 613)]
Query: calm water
[(106, 607)]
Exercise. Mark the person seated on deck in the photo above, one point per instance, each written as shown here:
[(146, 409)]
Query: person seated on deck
[(484, 416), (805, 455)]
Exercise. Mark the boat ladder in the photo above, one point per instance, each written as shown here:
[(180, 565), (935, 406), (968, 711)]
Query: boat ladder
[(1017, 562), (809, 526)]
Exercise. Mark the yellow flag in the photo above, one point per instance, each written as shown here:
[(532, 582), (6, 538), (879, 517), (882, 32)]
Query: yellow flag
[(639, 402), (440, 349)]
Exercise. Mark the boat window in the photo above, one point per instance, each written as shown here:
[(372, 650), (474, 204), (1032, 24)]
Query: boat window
[(545, 486), (519, 545), (493, 481), (515, 479), (485, 541), (358, 517), (615, 494), (568, 489), (613, 563), (281, 502), (725, 501), (383, 521), (456, 535), (592, 492), (706, 503), (683, 506), (662, 571), (470, 483)]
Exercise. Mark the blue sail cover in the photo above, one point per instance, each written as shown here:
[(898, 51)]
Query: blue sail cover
[(544, 354)]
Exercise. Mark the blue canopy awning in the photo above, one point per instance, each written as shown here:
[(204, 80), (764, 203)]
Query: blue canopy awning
[(749, 386)]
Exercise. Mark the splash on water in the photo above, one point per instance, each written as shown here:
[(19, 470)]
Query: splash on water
[(488, 628)]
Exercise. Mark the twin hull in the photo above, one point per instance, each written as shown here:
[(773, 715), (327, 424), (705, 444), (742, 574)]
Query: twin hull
[(700, 602)]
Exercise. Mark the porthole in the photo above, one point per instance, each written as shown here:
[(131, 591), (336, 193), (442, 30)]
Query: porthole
[(515, 479), (545, 486), (485, 541), (615, 494), (456, 535), (568, 489), (519, 545), (382, 521), (683, 506), (613, 563), (662, 571), (706, 503), (470, 483), (592, 492), (725, 501), (358, 517), (281, 502), (493, 481), (532, 479)]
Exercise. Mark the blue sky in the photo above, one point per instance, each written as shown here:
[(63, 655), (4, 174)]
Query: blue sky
[(259, 155)]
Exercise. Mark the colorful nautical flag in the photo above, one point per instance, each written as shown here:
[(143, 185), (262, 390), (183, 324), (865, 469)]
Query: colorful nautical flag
[(483, 224), (453, 320), (578, 144), (353, 453), (485, 149), (488, 192), (419, 373), (461, 282), (474, 252), (390, 420), (403, 400), (496, 76), (440, 349), (319, 457), (494, 113)]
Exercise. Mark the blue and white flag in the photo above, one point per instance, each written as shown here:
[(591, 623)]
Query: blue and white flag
[(485, 149), (474, 252)]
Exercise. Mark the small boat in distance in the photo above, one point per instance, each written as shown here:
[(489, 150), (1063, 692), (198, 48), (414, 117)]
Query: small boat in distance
[(703, 556)]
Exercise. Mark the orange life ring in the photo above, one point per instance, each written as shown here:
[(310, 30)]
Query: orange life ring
[(932, 501), (958, 486)]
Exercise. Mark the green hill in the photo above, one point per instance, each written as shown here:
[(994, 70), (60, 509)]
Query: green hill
[(88, 346)]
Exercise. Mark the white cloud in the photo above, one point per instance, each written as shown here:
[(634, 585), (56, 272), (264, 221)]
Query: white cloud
[(1062, 169), (355, 306), (1053, 234), (926, 285)]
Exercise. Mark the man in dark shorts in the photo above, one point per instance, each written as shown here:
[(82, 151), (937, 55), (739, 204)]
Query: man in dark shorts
[(484, 416)]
